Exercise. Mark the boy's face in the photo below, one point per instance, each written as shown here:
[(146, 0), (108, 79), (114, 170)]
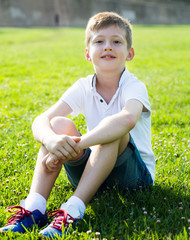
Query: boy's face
[(108, 49)]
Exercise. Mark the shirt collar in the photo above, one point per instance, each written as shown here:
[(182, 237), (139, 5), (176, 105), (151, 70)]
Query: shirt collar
[(123, 77), (93, 84)]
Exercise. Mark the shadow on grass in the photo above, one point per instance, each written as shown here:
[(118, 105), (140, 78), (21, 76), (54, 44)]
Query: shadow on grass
[(160, 212)]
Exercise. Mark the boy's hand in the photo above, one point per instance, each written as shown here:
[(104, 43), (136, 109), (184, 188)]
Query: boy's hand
[(63, 147), (51, 163)]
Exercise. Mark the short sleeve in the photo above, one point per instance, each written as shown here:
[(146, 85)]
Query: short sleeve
[(138, 91), (74, 97)]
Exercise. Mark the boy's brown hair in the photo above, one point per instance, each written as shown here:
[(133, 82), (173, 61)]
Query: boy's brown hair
[(106, 19)]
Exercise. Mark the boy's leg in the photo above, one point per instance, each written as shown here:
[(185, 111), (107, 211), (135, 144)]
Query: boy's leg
[(43, 180), (98, 167)]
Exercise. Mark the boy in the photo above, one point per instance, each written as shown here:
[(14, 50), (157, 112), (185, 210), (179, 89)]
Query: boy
[(117, 111)]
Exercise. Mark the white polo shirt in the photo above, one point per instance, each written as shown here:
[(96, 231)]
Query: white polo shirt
[(83, 98)]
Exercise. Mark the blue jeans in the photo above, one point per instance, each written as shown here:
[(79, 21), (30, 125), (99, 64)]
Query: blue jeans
[(129, 172)]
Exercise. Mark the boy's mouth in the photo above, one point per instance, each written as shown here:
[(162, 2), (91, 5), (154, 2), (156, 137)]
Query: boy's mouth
[(108, 56)]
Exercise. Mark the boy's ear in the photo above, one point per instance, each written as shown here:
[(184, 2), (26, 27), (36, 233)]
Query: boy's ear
[(87, 55), (131, 54)]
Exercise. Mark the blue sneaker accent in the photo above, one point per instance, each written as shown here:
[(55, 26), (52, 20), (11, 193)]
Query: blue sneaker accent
[(24, 219), (60, 224)]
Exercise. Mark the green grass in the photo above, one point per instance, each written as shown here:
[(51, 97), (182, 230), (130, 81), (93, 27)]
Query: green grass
[(37, 66)]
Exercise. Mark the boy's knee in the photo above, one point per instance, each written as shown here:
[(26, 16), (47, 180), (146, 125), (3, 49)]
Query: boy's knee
[(63, 125)]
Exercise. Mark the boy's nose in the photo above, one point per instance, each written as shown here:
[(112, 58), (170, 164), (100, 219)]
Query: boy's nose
[(107, 47)]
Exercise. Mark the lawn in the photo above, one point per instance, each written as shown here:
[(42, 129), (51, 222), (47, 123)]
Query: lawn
[(37, 66)]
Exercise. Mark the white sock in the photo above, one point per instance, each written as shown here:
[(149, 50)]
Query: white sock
[(76, 203), (35, 201)]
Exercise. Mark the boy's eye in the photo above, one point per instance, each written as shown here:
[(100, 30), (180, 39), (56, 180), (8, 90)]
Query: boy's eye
[(99, 41), (117, 42)]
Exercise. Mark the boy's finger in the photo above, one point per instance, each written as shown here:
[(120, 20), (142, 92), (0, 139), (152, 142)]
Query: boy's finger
[(72, 142)]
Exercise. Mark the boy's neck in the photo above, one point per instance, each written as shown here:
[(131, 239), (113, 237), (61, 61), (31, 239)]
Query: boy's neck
[(107, 84), (107, 79)]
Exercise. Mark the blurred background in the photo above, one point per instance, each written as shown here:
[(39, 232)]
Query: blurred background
[(75, 13)]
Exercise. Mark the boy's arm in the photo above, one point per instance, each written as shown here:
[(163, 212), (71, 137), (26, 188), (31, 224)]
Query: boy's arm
[(41, 125), (113, 127), (44, 134)]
